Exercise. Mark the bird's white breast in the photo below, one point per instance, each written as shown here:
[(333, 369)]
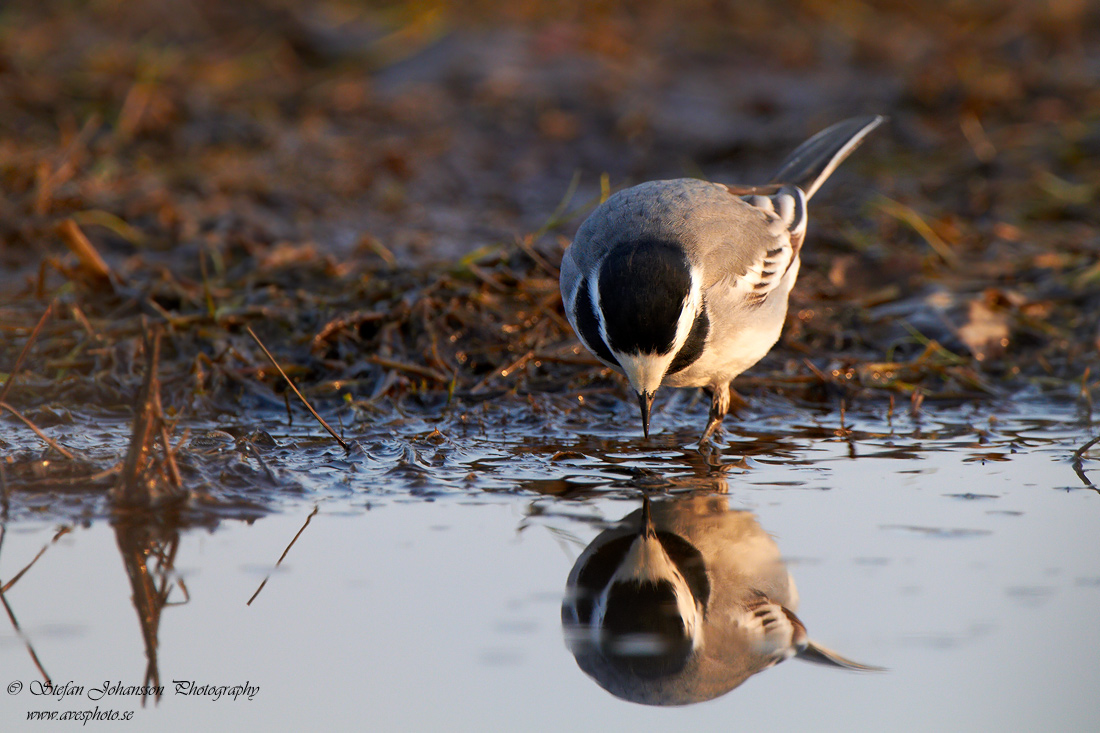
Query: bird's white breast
[(740, 334)]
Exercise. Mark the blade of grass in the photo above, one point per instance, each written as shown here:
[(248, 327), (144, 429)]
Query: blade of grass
[(45, 438), (318, 418), (15, 622), (130, 488), (283, 556), (1078, 463), (524, 243), (502, 372), (107, 220), (26, 349), (401, 366), (912, 217), (208, 298), (1079, 454), (5, 587), (558, 217), (85, 251)]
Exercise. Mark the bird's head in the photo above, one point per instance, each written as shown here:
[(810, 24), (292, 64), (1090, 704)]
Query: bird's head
[(650, 314), (649, 616)]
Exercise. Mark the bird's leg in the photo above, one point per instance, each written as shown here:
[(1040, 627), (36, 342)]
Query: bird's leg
[(719, 406)]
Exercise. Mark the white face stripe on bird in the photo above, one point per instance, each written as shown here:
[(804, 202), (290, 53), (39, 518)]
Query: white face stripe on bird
[(645, 370), (585, 313)]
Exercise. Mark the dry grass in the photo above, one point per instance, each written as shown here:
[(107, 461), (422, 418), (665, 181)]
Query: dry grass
[(389, 225)]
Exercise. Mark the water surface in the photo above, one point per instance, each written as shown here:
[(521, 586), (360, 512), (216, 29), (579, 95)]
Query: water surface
[(956, 549)]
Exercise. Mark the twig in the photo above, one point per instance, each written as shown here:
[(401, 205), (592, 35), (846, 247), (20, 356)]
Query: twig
[(931, 346), (4, 588), (589, 361), (174, 477), (972, 130), (49, 179), (78, 482), (144, 424), (338, 324), (817, 372), (47, 439), (525, 244), (305, 402), (1079, 454), (78, 314), (545, 307), (910, 216), (26, 350), (374, 245), (283, 556), (15, 622), (140, 543), (558, 217), (1086, 393), (107, 220), (247, 446), (84, 250), (1078, 463), (207, 296), (169, 451), (486, 278), (916, 400), (401, 366), (503, 372)]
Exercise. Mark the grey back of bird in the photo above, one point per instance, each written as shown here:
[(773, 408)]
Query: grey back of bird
[(720, 231)]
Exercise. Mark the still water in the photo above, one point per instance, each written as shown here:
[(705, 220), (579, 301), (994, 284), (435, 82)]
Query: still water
[(425, 587)]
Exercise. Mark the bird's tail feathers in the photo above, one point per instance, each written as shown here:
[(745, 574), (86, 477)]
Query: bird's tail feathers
[(821, 655), (816, 159)]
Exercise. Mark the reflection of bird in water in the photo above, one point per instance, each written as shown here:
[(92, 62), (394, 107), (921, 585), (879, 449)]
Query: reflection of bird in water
[(681, 602)]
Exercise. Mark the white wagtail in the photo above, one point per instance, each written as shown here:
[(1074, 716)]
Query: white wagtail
[(683, 601), (685, 282)]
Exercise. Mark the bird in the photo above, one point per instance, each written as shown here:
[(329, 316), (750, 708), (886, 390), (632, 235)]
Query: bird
[(684, 282), (682, 601)]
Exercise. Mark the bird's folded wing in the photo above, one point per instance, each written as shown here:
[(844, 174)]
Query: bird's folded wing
[(781, 228)]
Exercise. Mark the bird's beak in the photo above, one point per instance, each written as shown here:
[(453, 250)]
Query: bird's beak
[(645, 401), (648, 529)]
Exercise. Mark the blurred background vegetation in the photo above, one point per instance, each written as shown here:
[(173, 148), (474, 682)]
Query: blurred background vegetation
[(394, 182)]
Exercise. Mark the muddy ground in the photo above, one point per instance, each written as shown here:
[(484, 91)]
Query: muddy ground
[(382, 194)]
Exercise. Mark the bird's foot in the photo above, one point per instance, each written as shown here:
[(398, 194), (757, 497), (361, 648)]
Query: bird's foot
[(719, 406), (713, 426)]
